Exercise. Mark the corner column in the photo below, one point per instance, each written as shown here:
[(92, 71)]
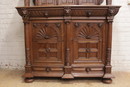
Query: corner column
[(107, 76), (28, 69)]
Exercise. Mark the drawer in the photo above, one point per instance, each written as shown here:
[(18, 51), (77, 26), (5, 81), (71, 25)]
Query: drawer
[(88, 72), (67, 11), (88, 69), (47, 12), (48, 72), (47, 69), (81, 12)]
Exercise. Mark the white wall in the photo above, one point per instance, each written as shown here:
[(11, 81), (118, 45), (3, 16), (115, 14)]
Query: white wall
[(12, 54)]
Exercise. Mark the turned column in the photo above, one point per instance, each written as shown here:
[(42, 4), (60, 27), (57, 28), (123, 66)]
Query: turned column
[(108, 2), (27, 2)]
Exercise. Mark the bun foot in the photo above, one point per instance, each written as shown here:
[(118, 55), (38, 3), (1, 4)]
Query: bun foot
[(107, 80), (28, 80)]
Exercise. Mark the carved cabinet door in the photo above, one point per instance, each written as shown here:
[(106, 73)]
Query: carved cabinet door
[(88, 43), (48, 43)]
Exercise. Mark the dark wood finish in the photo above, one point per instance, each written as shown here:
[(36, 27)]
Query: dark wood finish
[(68, 41)]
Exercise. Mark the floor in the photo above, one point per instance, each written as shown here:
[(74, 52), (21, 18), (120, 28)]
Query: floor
[(12, 78)]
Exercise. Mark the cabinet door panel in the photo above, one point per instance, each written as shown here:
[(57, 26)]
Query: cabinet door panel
[(48, 42), (88, 42)]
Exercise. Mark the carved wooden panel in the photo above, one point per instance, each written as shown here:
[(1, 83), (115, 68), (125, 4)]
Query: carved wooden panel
[(45, 2), (88, 40), (67, 2), (48, 43), (90, 2)]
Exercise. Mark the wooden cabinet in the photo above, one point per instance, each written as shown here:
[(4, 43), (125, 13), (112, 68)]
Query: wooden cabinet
[(68, 41)]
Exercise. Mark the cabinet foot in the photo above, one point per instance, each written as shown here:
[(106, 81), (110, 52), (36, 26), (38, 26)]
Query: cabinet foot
[(107, 80), (28, 80)]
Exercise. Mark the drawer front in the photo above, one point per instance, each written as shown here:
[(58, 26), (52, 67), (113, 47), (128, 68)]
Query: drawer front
[(88, 42), (88, 72), (68, 11), (47, 43), (48, 71)]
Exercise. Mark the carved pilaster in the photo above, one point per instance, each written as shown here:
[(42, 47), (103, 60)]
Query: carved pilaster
[(28, 57), (108, 56)]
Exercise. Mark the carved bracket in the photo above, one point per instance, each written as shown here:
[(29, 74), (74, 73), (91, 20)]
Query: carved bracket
[(67, 11), (112, 11), (25, 15)]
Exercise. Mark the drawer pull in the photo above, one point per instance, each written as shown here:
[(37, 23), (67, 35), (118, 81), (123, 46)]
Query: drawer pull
[(48, 69), (47, 50), (46, 14), (88, 69), (89, 13)]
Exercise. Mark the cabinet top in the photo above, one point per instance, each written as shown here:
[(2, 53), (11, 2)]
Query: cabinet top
[(71, 12)]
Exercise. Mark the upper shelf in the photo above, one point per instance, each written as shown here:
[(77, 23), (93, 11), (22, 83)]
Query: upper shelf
[(66, 2)]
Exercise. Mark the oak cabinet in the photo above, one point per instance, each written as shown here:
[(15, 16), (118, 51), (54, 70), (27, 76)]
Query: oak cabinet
[(68, 41)]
